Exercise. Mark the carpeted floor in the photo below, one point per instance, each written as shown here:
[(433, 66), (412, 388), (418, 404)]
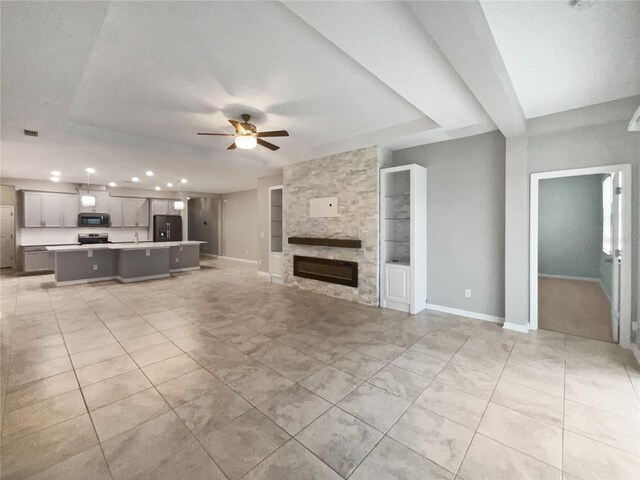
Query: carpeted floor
[(576, 307)]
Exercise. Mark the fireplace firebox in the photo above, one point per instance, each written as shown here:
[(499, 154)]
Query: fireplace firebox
[(326, 270)]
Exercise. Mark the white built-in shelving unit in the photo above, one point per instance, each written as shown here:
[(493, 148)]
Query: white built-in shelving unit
[(403, 228), (275, 233)]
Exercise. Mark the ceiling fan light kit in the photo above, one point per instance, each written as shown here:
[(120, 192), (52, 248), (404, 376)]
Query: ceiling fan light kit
[(247, 135)]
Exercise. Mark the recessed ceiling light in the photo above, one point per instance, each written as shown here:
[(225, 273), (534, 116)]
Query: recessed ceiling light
[(149, 173), (90, 170), (157, 188), (113, 184), (184, 180), (169, 184), (55, 179), (55, 173), (135, 179)]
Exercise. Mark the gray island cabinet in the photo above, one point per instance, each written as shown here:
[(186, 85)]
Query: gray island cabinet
[(126, 262)]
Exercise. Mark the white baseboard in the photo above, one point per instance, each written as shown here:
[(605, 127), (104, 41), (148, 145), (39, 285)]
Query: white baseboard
[(184, 269), (142, 279), (516, 327), (636, 352), (566, 277), (466, 313), (262, 274), (235, 259), (277, 279), (209, 255)]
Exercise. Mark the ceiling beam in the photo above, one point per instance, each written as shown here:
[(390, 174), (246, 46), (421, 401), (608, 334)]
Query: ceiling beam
[(462, 33)]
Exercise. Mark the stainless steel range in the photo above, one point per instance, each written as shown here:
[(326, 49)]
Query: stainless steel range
[(91, 238)]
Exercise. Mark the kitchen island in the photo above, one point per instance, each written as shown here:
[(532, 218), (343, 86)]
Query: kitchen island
[(126, 262)]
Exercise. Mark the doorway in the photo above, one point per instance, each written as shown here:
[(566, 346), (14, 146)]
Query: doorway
[(580, 273), (7, 236), (276, 206), (203, 223)]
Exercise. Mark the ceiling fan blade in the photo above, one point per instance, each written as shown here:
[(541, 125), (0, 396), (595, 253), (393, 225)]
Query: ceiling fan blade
[(274, 133), (270, 146), (239, 128), (217, 134), (232, 146)]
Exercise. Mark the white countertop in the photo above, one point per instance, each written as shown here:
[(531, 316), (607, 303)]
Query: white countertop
[(121, 246)]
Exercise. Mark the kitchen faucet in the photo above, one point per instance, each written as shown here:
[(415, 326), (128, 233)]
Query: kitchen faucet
[(135, 235)]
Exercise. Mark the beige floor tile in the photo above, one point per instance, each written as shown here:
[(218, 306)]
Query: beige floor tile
[(526, 434), (359, 365), (169, 369), (144, 342), (454, 404), (189, 386), (134, 332), (37, 354), (294, 409), (588, 459), (211, 410), (115, 388), (544, 380), (40, 390), (240, 445), (89, 464), (331, 384), (31, 373), (399, 337), (141, 448), (192, 462), (440, 440), (392, 460), (155, 354), (43, 414), (101, 371), (534, 403), (100, 354), (419, 363), (400, 382), (381, 350), (470, 381), (260, 384), (38, 451), (437, 346), (614, 430), (374, 406), (488, 460), (340, 440), (486, 362)]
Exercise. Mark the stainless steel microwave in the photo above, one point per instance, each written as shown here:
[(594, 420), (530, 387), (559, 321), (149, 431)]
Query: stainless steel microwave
[(94, 220)]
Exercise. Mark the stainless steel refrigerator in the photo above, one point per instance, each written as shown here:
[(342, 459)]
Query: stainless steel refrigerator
[(167, 228)]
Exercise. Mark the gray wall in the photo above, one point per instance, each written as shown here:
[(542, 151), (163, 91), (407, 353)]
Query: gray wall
[(203, 223), (263, 218), (465, 220), (570, 226), (240, 225)]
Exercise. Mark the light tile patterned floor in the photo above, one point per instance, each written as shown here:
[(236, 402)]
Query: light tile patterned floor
[(218, 374)]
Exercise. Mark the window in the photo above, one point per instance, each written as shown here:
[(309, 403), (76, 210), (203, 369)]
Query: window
[(607, 203)]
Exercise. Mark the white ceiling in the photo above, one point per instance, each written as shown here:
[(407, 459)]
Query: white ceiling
[(561, 57), (123, 87)]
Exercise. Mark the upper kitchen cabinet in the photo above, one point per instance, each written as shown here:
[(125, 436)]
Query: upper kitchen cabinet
[(135, 212), (163, 207), (69, 210), (102, 202), (41, 209), (115, 211)]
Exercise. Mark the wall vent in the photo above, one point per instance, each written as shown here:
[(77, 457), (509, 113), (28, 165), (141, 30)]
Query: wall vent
[(31, 133)]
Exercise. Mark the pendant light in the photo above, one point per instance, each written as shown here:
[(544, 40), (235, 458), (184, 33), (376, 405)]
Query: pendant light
[(88, 200), (179, 204)]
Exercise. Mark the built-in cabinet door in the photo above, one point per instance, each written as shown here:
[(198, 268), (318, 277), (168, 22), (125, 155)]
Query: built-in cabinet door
[(70, 210), (115, 210), (397, 284), (143, 212), (130, 212), (33, 209), (159, 207), (275, 264), (103, 202), (52, 209)]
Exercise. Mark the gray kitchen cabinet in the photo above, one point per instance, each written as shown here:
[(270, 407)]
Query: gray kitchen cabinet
[(32, 209), (115, 210), (159, 207), (135, 212), (69, 210), (36, 259)]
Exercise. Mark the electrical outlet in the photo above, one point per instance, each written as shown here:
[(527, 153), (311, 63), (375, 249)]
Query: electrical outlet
[(467, 292), (95, 267)]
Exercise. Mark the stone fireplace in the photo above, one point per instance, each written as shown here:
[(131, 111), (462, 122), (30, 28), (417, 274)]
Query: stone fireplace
[(352, 177)]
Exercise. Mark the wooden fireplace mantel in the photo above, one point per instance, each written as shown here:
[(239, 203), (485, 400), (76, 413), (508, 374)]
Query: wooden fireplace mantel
[(326, 242)]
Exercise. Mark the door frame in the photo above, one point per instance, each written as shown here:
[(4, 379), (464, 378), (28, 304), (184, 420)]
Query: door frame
[(271, 189), (625, 270)]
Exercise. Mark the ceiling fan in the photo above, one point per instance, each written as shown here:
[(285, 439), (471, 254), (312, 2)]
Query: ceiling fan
[(247, 135)]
